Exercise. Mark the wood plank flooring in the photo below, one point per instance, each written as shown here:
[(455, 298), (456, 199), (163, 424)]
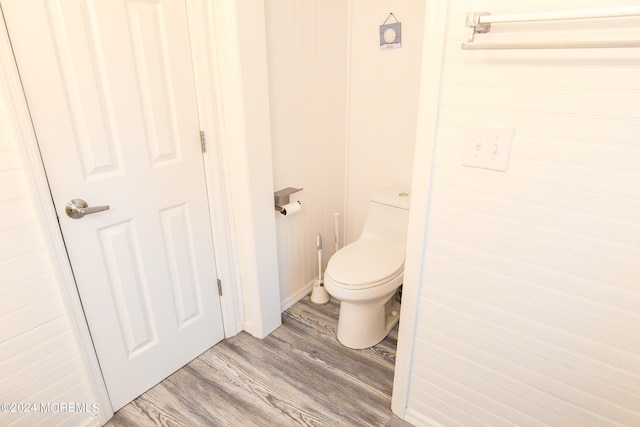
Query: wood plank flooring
[(298, 375)]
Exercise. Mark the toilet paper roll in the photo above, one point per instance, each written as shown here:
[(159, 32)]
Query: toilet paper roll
[(290, 208)]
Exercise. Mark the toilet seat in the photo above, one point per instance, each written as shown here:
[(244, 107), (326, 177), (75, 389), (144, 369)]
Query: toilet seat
[(365, 264)]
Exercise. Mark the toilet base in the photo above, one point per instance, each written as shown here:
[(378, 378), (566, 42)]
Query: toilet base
[(363, 325)]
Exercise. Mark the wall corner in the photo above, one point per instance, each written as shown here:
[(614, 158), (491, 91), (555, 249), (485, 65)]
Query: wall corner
[(245, 98)]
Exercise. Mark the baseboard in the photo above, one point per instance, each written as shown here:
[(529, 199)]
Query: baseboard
[(419, 420), (297, 296), (235, 329)]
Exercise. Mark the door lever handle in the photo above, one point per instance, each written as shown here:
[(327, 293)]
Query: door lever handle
[(77, 208)]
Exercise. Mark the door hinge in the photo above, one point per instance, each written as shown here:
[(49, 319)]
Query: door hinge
[(203, 142), (219, 287)]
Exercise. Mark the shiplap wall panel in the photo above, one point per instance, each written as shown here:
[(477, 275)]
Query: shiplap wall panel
[(25, 348), (307, 84), (493, 405), (465, 368), (9, 160), (538, 293), (22, 293), (530, 302), (616, 104), (43, 373), (39, 362), (549, 237), (12, 270), (579, 223), (15, 214), (608, 205), (19, 240), (452, 399), (517, 349), (537, 372), (22, 320), (18, 187), (564, 75), (541, 336)]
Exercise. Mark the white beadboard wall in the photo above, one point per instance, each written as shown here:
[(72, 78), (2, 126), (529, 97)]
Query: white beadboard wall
[(382, 103), (307, 51), (39, 362), (529, 309)]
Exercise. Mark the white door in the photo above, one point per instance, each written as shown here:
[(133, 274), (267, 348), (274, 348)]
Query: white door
[(110, 87)]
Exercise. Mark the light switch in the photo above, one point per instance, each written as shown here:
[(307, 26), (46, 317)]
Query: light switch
[(487, 148)]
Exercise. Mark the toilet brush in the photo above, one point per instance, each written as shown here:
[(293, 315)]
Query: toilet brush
[(319, 294)]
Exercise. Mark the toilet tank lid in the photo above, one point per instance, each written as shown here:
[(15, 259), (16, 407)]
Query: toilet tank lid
[(396, 198)]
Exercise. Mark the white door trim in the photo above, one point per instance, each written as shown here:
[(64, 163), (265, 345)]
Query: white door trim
[(432, 59), (210, 113), (204, 39), (240, 50), (18, 113), (230, 59)]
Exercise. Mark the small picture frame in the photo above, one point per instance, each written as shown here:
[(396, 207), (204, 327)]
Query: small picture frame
[(390, 34)]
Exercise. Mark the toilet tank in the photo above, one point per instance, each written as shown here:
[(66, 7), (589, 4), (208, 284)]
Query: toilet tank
[(388, 218)]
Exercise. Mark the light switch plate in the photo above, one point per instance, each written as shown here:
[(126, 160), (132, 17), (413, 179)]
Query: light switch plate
[(487, 148)]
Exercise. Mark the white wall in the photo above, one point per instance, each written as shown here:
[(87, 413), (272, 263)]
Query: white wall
[(39, 362), (307, 85), (382, 103), (529, 306), (245, 99)]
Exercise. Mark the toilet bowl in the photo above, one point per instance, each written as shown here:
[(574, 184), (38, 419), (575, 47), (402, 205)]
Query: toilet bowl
[(366, 274)]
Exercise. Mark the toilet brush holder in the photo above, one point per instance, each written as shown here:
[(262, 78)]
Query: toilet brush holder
[(319, 294)]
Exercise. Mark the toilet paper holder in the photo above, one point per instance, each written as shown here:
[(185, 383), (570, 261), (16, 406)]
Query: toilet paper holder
[(281, 198)]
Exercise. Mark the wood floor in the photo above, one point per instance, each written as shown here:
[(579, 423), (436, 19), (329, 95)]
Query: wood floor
[(298, 375)]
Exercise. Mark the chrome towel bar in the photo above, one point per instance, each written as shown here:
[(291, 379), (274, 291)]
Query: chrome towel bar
[(480, 22)]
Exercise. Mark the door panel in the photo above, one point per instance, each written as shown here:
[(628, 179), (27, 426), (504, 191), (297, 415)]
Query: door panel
[(129, 291), (111, 93)]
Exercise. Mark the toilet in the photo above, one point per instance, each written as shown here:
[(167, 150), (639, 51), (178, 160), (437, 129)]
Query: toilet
[(365, 275)]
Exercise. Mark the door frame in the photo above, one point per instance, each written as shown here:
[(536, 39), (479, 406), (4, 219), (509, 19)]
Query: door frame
[(27, 145), (434, 38), (206, 62)]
